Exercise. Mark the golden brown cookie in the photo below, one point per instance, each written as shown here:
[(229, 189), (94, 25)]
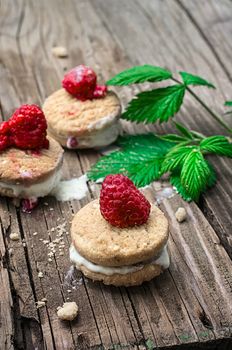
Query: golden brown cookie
[(117, 256), (136, 278), (104, 244), (25, 173), (82, 124)]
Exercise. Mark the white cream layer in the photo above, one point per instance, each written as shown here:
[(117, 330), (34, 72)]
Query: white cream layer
[(163, 260), (98, 138), (40, 189)]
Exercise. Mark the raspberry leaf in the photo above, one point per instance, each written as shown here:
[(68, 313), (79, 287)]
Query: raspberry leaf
[(159, 104), (140, 159), (190, 79), (195, 174), (176, 157), (140, 74), (176, 183), (174, 138), (147, 141), (218, 145), (228, 103), (141, 168)]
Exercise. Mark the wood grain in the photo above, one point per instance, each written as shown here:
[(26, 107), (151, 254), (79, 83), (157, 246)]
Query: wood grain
[(190, 304)]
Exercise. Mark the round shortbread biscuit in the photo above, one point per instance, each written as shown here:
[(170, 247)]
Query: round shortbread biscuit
[(69, 117), (27, 167), (136, 278), (103, 244)]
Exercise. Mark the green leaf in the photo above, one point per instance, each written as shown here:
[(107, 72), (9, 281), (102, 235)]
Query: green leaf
[(175, 181), (173, 138), (176, 157), (195, 174), (218, 145), (140, 159), (140, 74), (149, 106), (190, 79), (145, 141), (228, 103), (141, 168), (183, 130), (212, 178)]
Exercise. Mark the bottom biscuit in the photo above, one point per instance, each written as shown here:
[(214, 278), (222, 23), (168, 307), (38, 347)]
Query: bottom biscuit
[(135, 278)]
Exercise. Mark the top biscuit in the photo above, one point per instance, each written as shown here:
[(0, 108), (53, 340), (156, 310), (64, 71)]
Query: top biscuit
[(66, 115), (25, 167), (107, 245)]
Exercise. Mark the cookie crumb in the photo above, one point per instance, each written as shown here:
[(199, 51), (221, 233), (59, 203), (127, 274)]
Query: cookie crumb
[(181, 214), (68, 312), (40, 274), (60, 51), (14, 236), (40, 304)]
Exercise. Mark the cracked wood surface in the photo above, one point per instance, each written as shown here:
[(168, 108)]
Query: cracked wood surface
[(189, 306)]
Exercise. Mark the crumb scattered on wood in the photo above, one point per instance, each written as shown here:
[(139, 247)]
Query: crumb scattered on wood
[(68, 312), (60, 51), (40, 303), (14, 236), (181, 214)]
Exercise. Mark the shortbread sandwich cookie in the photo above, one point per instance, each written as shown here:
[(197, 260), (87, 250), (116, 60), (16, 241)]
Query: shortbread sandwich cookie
[(30, 163), (82, 114), (128, 248)]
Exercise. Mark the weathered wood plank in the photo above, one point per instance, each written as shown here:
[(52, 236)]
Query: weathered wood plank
[(6, 303), (177, 308), (213, 21)]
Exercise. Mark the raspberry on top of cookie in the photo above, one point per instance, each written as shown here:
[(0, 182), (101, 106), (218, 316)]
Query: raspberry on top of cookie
[(122, 238), (26, 129), (81, 82), (83, 114)]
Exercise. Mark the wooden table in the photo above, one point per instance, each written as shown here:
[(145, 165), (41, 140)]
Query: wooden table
[(190, 305)]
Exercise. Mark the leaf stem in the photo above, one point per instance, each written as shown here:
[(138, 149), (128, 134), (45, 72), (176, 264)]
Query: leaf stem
[(208, 109)]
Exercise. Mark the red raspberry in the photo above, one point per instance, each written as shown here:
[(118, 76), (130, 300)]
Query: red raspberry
[(80, 82), (29, 204), (4, 139), (28, 128), (100, 91), (121, 203)]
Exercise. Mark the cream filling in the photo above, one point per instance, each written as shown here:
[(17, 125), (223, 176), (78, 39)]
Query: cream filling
[(103, 122), (40, 189), (163, 260), (98, 137)]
